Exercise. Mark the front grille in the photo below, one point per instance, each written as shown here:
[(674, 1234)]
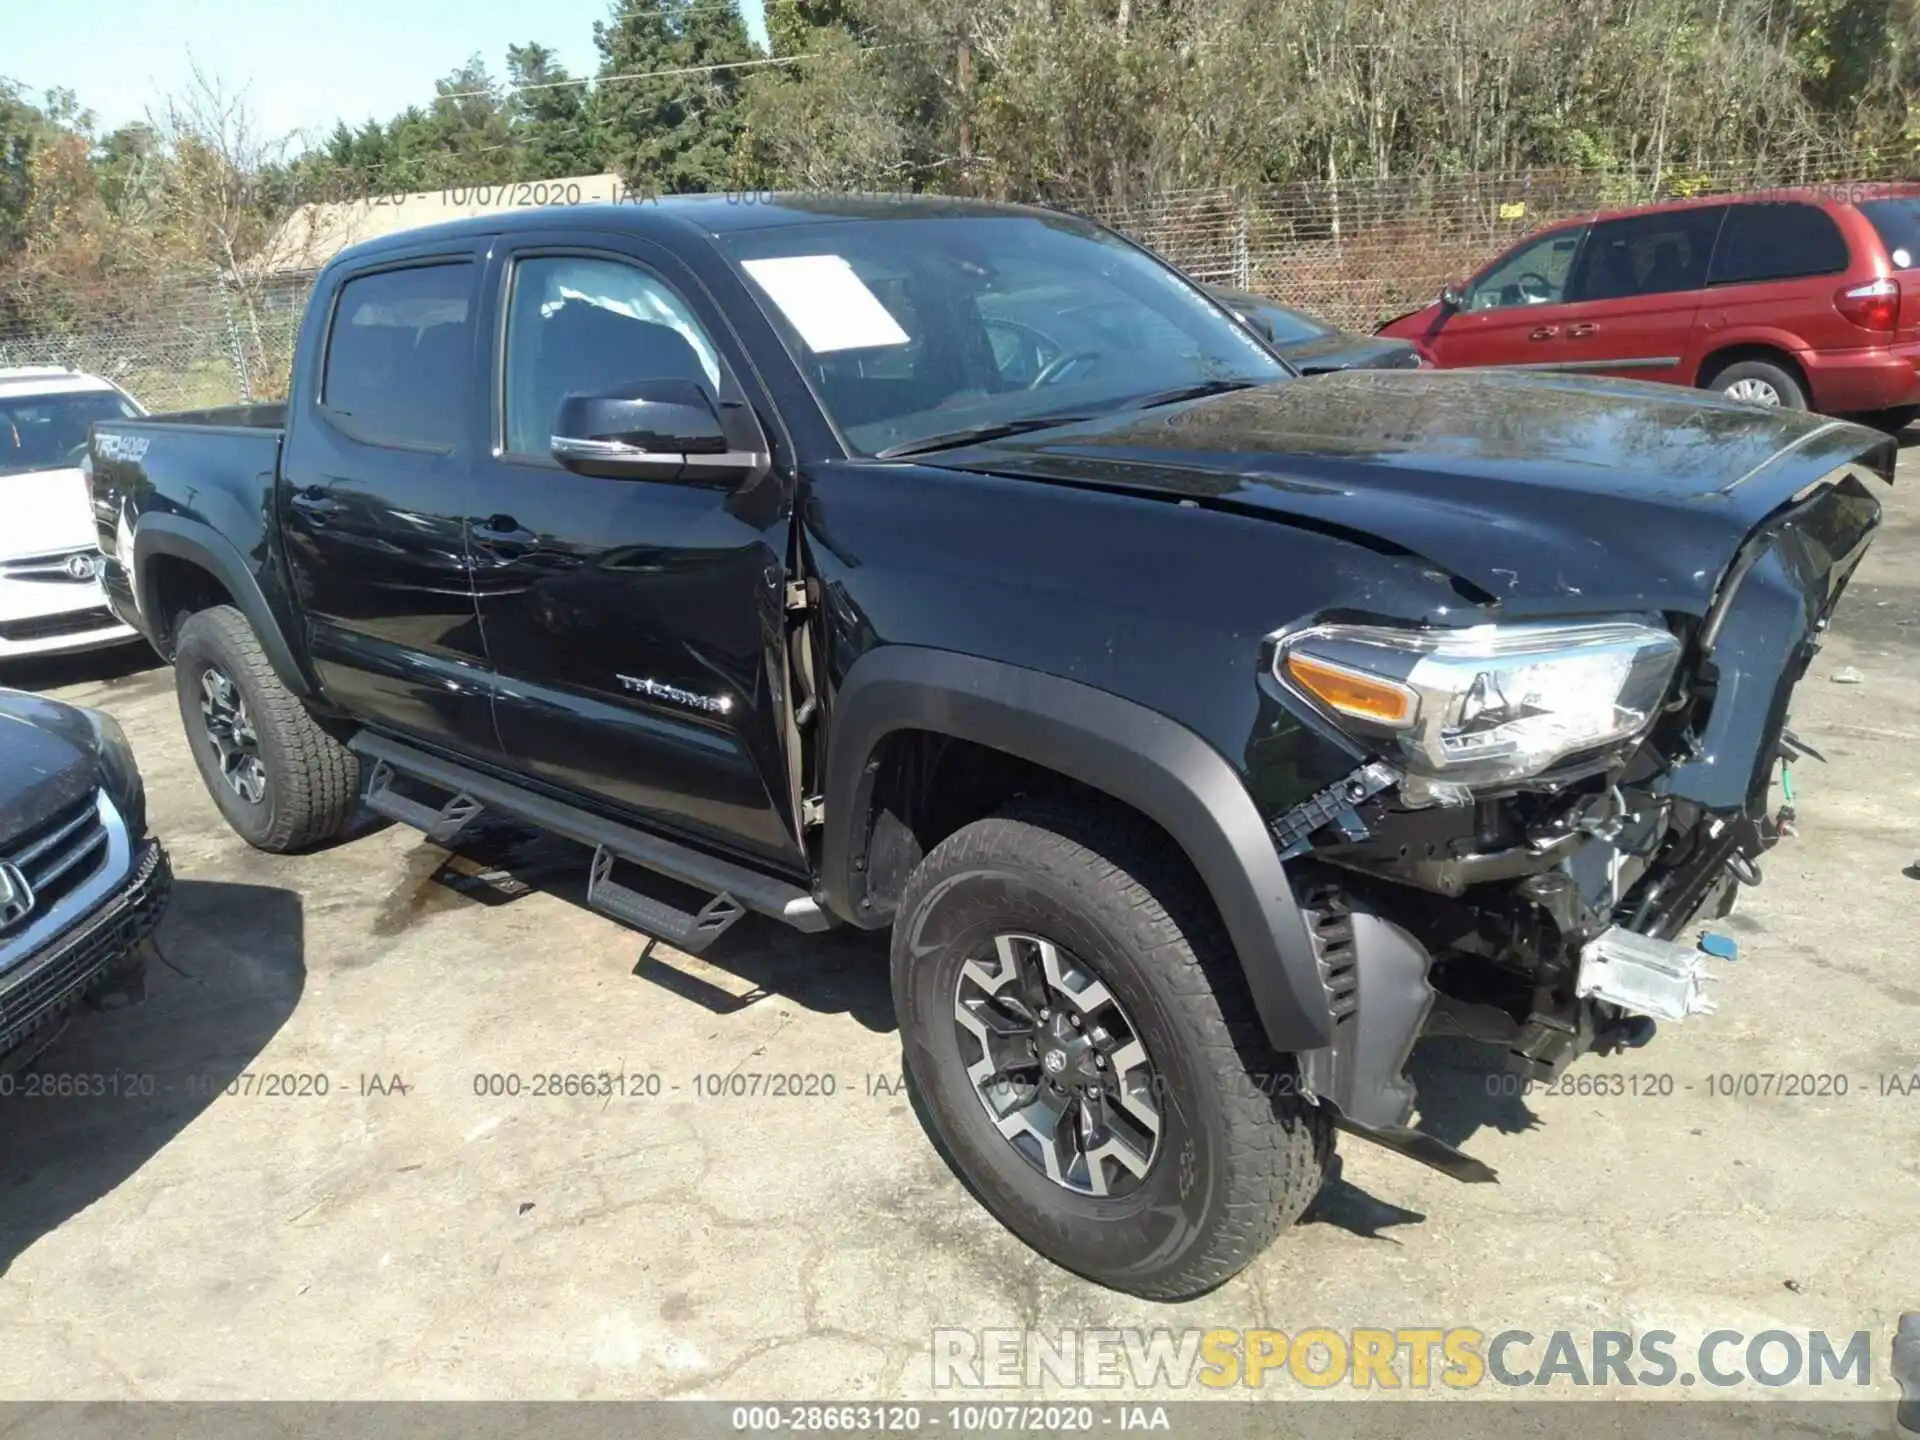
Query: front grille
[(46, 627), (45, 987), (60, 853), (59, 567)]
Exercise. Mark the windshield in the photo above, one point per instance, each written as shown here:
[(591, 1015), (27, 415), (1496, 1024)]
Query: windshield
[(49, 432), (912, 329), (1898, 225)]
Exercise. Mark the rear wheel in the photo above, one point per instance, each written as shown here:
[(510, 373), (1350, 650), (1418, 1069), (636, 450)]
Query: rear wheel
[(281, 781), (1760, 382), (1076, 1023)]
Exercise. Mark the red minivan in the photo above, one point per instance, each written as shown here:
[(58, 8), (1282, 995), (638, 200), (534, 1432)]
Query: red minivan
[(1795, 299)]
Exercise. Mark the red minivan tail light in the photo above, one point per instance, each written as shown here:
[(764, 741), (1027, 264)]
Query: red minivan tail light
[(1873, 306)]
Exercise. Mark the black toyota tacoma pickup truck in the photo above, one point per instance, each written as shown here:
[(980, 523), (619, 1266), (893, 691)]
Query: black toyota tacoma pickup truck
[(1204, 735)]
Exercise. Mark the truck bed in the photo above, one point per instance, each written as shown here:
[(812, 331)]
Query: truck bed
[(206, 472)]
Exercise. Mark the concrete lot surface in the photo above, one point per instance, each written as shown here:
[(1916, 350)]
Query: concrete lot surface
[(406, 1234)]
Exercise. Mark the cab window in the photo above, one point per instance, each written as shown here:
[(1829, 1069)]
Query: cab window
[(581, 325), (397, 351), (1535, 274)]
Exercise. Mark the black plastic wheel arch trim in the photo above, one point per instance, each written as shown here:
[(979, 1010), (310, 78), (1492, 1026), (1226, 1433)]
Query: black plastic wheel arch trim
[(199, 544), (1136, 755)]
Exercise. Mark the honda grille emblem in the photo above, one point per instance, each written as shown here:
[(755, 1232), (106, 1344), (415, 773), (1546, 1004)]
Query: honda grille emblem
[(16, 895)]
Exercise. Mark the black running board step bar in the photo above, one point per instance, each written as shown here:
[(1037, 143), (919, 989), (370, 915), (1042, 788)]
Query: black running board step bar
[(441, 825), (749, 889), (690, 931)]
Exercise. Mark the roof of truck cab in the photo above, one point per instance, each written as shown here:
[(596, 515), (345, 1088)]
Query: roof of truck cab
[(706, 215)]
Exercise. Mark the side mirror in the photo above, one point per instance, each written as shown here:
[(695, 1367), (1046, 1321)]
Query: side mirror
[(651, 430), (1451, 296)]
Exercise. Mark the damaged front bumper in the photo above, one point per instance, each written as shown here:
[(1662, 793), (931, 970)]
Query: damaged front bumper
[(1561, 915)]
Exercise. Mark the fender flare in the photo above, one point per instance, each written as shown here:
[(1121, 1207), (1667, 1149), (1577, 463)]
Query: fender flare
[(1136, 755), (200, 544)]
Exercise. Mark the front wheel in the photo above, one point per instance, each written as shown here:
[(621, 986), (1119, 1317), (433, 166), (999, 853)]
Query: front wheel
[(1076, 1023), (281, 781)]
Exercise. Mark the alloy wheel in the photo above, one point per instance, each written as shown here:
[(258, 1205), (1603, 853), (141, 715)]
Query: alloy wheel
[(1058, 1066), (236, 745)]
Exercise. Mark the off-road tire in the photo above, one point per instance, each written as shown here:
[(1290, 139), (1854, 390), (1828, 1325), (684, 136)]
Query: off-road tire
[(1241, 1153), (1792, 395), (312, 779)]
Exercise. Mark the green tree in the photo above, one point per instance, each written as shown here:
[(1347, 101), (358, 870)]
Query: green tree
[(667, 118), (549, 116), (792, 25)]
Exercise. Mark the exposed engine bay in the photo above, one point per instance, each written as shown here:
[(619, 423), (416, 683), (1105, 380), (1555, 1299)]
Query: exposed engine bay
[(1562, 913)]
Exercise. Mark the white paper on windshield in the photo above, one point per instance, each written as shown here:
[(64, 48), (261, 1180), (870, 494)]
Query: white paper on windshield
[(826, 302)]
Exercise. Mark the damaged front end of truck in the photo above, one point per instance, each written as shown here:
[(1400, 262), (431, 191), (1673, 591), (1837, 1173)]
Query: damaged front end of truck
[(1548, 813)]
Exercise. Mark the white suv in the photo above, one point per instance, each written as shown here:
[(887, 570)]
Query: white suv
[(50, 597)]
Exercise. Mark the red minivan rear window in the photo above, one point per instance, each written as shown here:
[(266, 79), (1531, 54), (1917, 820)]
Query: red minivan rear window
[(1898, 224)]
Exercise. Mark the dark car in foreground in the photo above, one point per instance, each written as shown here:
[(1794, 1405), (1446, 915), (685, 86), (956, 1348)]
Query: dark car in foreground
[(1312, 346), (1204, 735), (82, 884), (1801, 300)]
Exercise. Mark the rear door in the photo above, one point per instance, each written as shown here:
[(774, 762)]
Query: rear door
[(372, 488), (1637, 291), (636, 627), (1515, 312), (1773, 276)]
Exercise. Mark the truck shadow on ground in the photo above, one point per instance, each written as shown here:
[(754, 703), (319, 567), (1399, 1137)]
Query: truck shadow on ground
[(496, 862), (114, 666), (120, 1084), (1462, 1086)]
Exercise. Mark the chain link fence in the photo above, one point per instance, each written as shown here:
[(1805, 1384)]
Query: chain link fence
[(1353, 252), (184, 343), (1357, 252)]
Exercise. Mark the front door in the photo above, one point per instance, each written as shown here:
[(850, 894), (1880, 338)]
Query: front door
[(1516, 312), (636, 627), (372, 498)]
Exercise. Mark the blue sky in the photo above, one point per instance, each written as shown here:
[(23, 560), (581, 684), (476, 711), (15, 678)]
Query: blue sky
[(302, 66)]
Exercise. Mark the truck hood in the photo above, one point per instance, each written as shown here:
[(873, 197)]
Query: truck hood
[(1544, 494), (46, 512)]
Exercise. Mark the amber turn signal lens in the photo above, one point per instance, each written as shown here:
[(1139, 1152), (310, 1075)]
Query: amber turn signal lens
[(1351, 692)]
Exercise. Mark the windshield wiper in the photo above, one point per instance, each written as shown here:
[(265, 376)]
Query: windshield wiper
[(1189, 392), (998, 430)]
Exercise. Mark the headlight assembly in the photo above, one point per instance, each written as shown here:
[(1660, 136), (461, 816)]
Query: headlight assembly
[(1470, 708)]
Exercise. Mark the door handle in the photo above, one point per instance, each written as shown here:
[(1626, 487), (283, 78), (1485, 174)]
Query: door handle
[(1580, 331), (1545, 332), (316, 504), (503, 535)]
